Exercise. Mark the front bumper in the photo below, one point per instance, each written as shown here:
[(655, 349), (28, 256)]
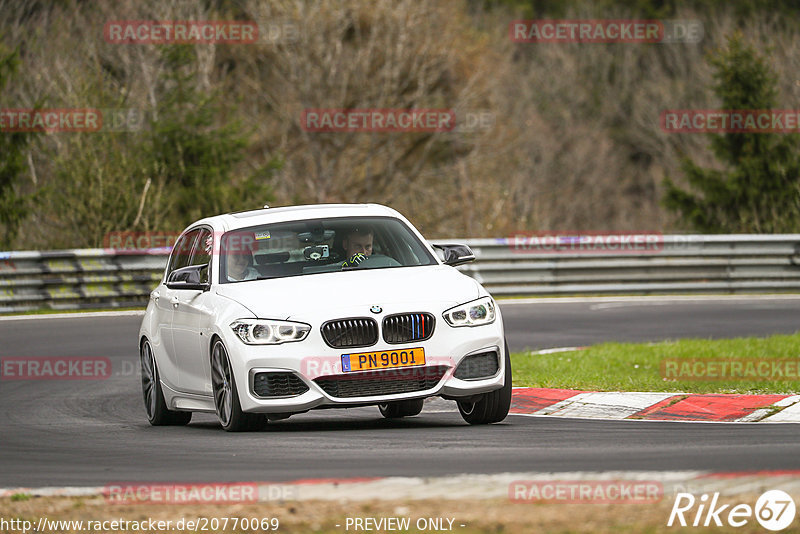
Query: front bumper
[(313, 362)]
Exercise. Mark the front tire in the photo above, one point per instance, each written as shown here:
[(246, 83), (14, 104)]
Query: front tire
[(154, 404), (492, 407), (395, 410), (226, 397)]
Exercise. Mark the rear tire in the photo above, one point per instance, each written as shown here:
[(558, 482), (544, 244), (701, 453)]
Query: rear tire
[(492, 407), (154, 404), (226, 396), (395, 410)]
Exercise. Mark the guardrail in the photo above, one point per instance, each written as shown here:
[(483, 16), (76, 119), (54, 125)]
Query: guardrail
[(105, 278), (670, 264), (78, 279)]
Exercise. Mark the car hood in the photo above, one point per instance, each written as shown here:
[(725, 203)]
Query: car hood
[(354, 292)]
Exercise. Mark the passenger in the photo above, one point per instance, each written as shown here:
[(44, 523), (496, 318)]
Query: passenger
[(239, 257)]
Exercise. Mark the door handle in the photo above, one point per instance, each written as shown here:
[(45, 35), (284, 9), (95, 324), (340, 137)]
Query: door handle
[(175, 302)]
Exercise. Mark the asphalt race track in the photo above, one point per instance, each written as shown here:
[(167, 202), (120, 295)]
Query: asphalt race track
[(571, 324), (88, 433)]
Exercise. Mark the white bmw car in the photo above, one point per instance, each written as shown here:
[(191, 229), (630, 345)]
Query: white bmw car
[(278, 311)]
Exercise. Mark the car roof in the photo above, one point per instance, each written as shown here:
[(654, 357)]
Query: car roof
[(243, 219)]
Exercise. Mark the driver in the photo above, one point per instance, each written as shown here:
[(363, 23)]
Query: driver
[(239, 258), (357, 245)]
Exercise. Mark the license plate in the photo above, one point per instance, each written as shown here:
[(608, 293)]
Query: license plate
[(389, 359)]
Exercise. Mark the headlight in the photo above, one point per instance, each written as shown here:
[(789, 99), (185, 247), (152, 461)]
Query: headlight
[(268, 331), (475, 313)]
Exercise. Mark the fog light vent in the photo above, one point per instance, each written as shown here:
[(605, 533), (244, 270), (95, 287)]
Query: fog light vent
[(475, 366), (281, 384)]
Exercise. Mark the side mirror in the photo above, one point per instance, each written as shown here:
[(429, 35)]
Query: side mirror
[(455, 254), (192, 277)]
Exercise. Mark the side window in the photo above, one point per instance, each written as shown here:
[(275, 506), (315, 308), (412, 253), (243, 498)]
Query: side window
[(201, 253), (181, 253)]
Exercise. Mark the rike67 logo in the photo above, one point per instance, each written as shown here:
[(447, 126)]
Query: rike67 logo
[(774, 510)]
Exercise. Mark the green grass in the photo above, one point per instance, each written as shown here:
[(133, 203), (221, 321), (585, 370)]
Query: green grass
[(638, 366)]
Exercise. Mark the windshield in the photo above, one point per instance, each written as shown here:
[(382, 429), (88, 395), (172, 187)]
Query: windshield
[(319, 246)]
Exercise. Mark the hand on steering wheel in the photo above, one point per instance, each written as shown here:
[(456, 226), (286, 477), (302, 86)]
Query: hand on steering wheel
[(354, 260)]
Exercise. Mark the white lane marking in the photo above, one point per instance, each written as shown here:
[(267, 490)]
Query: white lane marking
[(643, 298), (481, 487), (555, 350), (790, 414), (598, 303), (438, 405), (77, 315), (613, 305), (604, 405), (788, 401), (472, 486), (755, 415)]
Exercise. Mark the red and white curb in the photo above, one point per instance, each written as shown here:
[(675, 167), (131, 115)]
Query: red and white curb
[(656, 406), (644, 406), (459, 487)]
